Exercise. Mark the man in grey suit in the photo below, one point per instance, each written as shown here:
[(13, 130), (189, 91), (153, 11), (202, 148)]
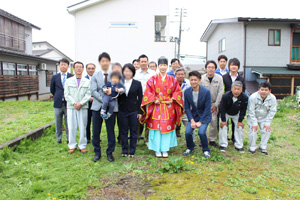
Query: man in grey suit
[(99, 79)]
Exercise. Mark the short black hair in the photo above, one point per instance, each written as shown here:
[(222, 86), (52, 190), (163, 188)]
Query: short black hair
[(195, 73), (130, 67), (222, 57), (174, 60), (90, 64), (211, 61), (117, 64), (117, 74), (265, 84), (234, 61), (151, 63), (135, 60), (64, 60), (142, 56), (103, 55), (78, 62)]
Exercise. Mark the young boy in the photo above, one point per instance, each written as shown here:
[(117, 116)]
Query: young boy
[(110, 100)]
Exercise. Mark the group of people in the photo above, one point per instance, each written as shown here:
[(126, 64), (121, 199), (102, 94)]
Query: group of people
[(144, 96)]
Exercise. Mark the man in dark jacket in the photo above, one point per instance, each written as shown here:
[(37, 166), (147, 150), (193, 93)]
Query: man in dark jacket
[(233, 106)]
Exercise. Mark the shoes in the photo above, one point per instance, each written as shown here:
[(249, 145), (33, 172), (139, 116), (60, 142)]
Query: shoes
[(72, 151), (165, 154), (59, 141), (241, 150), (158, 154), (252, 152), (131, 155), (110, 157), (263, 151), (222, 149), (187, 152), (96, 158), (124, 154), (67, 141), (178, 133), (206, 154), (213, 143), (83, 150)]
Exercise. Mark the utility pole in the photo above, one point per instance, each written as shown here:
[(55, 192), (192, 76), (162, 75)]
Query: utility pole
[(182, 13)]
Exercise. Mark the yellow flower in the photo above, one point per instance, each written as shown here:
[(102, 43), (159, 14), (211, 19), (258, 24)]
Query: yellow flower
[(54, 198), (192, 163), (48, 194)]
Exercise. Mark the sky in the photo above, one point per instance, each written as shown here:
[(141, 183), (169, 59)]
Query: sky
[(57, 25)]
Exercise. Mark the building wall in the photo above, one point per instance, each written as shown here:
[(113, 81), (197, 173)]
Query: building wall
[(234, 37), (93, 34), (28, 40)]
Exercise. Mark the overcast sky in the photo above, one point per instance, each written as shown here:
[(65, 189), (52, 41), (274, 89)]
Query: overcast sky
[(58, 25)]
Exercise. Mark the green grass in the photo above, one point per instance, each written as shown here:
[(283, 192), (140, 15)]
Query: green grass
[(20, 117), (36, 169)]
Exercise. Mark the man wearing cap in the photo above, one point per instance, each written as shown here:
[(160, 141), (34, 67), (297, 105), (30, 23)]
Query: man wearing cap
[(233, 106)]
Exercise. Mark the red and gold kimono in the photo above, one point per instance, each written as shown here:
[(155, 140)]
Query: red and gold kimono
[(165, 116)]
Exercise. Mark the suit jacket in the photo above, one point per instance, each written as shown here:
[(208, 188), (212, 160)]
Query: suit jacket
[(133, 101), (57, 89), (201, 113), (228, 82), (75, 93)]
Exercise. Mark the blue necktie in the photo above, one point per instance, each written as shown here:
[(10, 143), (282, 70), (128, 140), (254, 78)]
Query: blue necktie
[(64, 80)]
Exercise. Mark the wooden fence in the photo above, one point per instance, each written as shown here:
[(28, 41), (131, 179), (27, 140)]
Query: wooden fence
[(18, 85)]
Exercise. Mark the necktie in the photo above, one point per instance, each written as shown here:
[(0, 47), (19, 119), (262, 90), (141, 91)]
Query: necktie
[(105, 79), (64, 80)]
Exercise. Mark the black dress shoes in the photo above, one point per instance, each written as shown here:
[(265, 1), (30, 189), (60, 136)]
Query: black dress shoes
[(96, 158), (110, 157)]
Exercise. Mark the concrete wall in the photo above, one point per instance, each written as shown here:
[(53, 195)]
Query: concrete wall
[(28, 40), (234, 37), (94, 35)]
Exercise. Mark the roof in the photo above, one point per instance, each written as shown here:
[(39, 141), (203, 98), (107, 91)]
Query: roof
[(24, 55), (275, 71), (17, 19), (81, 5), (43, 52), (214, 23)]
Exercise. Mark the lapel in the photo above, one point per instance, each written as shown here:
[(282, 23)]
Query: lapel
[(131, 87), (81, 82), (190, 96), (199, 94), (87, 76), (101, 78), (59, 79)]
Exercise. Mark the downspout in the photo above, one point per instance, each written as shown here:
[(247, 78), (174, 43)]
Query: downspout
[(245, 45)]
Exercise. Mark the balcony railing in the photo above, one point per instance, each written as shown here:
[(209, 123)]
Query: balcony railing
[(296, 54), (13, 43)]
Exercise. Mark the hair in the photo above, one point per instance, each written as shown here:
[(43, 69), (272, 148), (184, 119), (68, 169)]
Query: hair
[(237, 83), (151, 63), (195, 73), (135, 60), (104, 55), (78, 62), (64, 60), (116, 64), (222, 57), (234, 61), (130, 67), (211, 61), (142, 56), (117, 74), (265, 84), (90, 64), (174, 60), (180, 69)]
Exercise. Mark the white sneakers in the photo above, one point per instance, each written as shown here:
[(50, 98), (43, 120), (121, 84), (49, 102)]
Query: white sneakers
[(162, 154), (158, 154)]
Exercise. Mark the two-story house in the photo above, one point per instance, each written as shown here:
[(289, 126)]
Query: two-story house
[(124, 29), (267, 48)]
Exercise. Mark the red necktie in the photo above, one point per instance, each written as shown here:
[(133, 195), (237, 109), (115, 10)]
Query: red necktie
[(105, 79)]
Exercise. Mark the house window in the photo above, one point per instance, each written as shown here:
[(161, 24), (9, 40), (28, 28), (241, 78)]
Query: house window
[(9, 68), (274, 37), (160, 28), (222, 45), (22, 69), (32, 70)]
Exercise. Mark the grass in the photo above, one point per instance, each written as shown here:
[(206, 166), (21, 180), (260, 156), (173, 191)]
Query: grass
[(20, 117), (43, 170)]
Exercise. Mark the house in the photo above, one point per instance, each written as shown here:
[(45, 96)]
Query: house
[(124, 29), (267, 48), (23, 75)]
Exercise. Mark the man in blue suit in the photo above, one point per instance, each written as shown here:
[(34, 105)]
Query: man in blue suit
[(57, 89), (90, 70), (197, 105)]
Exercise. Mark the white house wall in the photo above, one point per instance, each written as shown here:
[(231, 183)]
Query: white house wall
[(28, 40), (94, 35)]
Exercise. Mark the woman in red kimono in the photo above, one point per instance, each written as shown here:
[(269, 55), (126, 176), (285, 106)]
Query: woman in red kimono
[(162, 107)]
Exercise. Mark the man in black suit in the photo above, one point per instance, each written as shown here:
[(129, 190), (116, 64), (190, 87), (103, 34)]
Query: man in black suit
[(57, 89), (229, 78), (90, 70)]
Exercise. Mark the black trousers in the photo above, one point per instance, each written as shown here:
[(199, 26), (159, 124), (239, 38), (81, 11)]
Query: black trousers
[(89, 121)]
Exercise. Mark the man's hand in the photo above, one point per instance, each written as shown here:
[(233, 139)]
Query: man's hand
[(139, 116), (198, 124), (116, 89), (91, 99), (223, 124), (193, 124), (241, 124), (108, 91), (268, 128), (157, 102), (214, 110), (77, 106), (254, 128)]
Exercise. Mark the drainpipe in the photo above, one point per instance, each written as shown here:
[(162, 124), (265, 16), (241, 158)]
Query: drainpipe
[(245, 45)]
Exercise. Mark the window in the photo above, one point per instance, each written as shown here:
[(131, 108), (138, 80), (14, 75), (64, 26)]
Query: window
[(274, 37), (222, 45), (9, 68), (22, 69), (160, 28), (32, 70), (49, 75)]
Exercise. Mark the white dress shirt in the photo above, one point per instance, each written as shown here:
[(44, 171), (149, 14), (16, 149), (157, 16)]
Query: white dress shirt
[(127, 86), (233, 78), (144, 77), (62, 77)]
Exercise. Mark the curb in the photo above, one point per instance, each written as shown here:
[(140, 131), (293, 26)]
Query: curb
[(33, 135)]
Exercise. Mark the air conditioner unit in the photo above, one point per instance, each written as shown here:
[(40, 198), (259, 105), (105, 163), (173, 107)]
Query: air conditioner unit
[(157, 27), (43, 66)]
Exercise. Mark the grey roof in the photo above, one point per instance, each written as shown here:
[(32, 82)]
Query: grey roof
[(24, 55), (17, 19), (255, 19), (275, 71), (41, 52), (83, 4)]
